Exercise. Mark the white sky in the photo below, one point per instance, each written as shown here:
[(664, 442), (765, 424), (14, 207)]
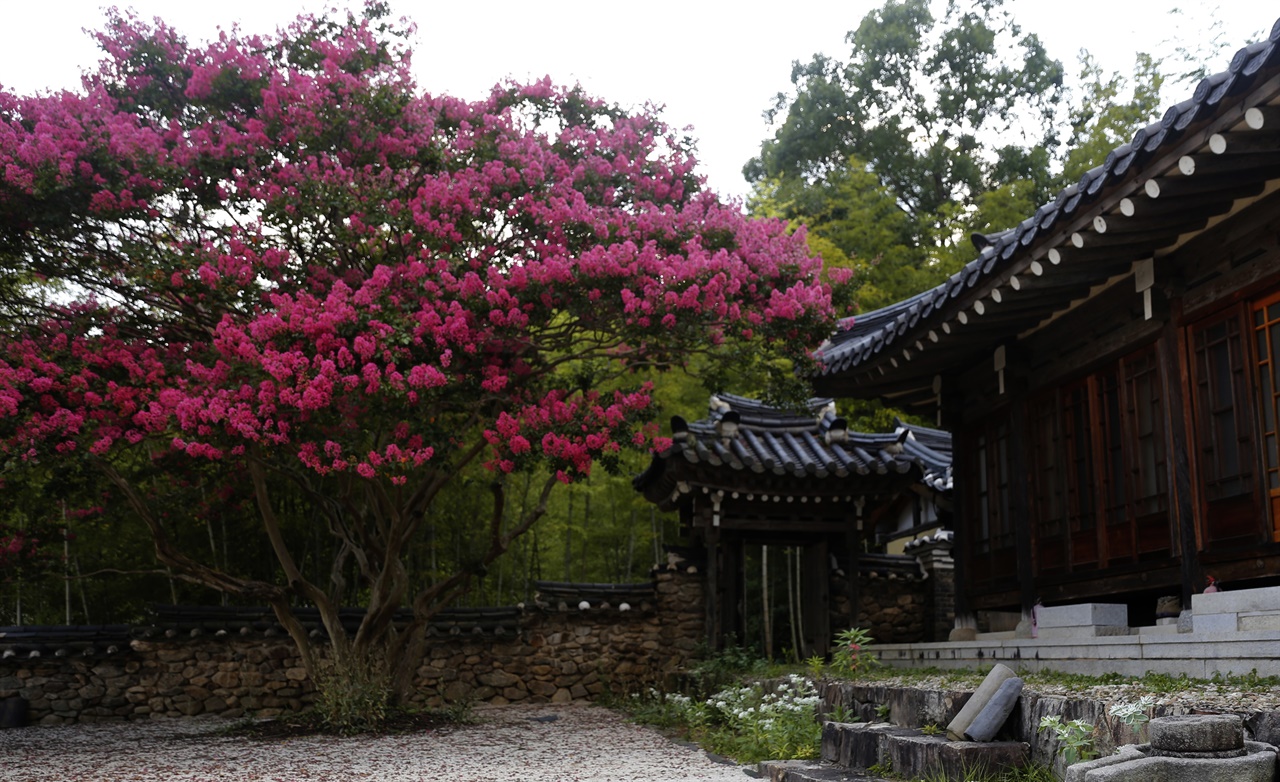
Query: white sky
[(714, 65)]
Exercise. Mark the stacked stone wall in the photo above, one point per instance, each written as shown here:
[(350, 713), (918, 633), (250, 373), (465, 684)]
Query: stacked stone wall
[(558, 655), (892, 610), (906, 599)]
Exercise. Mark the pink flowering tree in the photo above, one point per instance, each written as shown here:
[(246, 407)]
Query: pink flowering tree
[(274, 259)]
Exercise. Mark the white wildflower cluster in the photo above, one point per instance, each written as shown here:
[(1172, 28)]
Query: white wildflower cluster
[(781, 717)]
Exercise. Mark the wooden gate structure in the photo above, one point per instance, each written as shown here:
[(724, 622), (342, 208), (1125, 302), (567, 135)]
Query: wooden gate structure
[(750, 474)]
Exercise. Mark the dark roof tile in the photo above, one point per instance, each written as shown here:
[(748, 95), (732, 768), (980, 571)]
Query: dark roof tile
[(795, 442)]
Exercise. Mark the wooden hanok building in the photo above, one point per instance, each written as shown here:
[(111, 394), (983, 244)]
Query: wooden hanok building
[(754, 475), (1110, 367)]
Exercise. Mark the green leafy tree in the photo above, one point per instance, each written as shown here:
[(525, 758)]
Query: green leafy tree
[(917, 105), (1110, 110)]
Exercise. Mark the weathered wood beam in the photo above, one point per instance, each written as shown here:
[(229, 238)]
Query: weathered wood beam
[(1093, 583), (1221, 185), (1214, 165), (1152, 239), (1158, 219), (1244, 143)]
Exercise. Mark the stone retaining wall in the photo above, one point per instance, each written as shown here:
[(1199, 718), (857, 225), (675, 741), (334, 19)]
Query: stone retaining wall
[(558, 656), (902, 599), (915, 707), (893, 610)]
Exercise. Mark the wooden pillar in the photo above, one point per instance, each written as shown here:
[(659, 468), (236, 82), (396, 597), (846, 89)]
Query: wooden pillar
[(852, 546), (731, 577), (961, 515), (714, 636), (816, 589), (1019, 499), (1175, 379)]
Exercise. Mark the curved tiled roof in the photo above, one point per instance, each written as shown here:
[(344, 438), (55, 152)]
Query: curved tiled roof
[(812, 443), (1203, 156), (32, 641)]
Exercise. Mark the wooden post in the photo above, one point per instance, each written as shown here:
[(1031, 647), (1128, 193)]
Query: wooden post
[(1019, 502), (731, 577), (852, 541), (1174, 378), (764, 598), (802, 645), (953, 408), (714, 638), (817, 586), (792, 613)]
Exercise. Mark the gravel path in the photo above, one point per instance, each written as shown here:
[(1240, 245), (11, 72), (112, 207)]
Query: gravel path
[(510, 743)]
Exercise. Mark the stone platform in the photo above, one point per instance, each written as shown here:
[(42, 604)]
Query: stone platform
[(1224, 633)]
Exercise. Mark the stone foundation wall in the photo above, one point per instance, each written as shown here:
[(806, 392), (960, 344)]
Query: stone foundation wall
[(914, 708), (902, 599), (558, 656), (893, 611), (572, 655)]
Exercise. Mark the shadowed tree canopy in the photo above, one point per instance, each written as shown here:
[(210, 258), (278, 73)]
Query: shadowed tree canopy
[(268, 264)]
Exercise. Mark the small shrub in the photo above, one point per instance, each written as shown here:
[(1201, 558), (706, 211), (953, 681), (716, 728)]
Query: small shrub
[(353, 698), (1075, 738), (815, 666), (1134, 714), (848, 659), (716, 670), (664, 710)]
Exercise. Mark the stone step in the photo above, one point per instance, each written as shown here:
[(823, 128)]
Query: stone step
[(911, 753), (811, 771)]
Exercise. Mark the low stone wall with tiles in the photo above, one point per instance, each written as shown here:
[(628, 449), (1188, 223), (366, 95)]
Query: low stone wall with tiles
[(558, 655)]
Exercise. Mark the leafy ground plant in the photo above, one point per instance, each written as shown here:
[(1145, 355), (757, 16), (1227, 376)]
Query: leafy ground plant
[(717, 670), (1075, 738), (1135, 714), (848, 659)]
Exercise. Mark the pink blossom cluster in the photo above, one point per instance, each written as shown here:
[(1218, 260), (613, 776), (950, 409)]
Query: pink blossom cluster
[(16, 547), (282, 246)]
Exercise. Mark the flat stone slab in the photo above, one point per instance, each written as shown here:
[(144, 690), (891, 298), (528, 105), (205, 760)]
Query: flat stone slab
[(1257, 766), (1084, 631), (1084, 614), (1197, 734), (858, 745), (1266, 599), (811, 771), (1215, 623)]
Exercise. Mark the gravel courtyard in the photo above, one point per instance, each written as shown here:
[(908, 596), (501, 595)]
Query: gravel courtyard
[(517, 743)]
